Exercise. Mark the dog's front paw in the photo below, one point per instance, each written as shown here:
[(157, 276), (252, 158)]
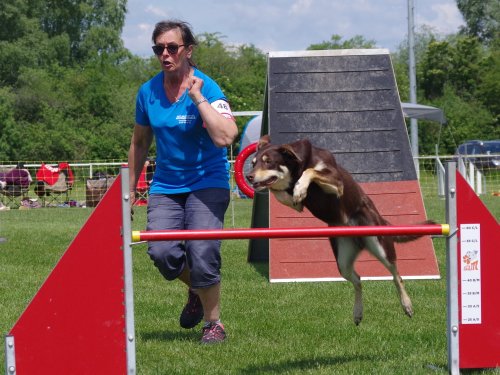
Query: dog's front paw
[(299, 192)]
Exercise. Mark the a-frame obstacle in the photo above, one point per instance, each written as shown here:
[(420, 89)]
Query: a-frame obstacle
[(81, 321)]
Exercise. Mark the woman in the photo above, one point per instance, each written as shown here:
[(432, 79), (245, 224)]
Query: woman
[(191, 121)]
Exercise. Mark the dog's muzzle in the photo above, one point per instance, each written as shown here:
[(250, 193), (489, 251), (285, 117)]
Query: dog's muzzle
[(260, 185)]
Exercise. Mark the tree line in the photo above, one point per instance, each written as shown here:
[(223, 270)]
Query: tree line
[(68, 84)]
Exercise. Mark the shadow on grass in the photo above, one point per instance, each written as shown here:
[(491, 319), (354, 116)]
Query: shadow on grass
[(262, 268), (161, 336), (304, 364)]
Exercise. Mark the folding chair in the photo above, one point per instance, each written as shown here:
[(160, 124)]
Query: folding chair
[(142, 188), (54, 183), (96, 188), (14, 186)]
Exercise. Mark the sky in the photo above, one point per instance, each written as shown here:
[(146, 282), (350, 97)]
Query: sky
[(289, 25)]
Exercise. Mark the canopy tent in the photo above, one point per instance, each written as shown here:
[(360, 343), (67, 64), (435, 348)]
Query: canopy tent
[(251, 132), (423, 112)]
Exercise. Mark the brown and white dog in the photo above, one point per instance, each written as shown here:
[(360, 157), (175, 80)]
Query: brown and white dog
[(301, 175)]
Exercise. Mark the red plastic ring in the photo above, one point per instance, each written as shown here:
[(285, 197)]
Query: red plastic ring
[(240, 179)]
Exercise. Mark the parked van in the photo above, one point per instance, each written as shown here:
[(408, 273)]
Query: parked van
[(484, 154)]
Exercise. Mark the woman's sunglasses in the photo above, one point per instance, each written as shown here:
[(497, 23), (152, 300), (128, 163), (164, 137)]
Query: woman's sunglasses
[(172, 49)]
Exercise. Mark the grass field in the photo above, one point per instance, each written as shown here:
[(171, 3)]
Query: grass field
[(301, 328)]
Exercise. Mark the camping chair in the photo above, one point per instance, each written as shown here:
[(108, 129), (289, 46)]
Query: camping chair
[(14, 185), (142, 188), (96, 188), (54, 183)]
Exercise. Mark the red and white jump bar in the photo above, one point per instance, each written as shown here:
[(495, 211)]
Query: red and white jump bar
[(246, 233)]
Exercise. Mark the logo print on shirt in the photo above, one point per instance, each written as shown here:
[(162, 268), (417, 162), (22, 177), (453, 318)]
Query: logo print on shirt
[(185, 119)]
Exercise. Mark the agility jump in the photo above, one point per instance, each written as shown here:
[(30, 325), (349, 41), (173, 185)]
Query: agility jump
[(49, 337)]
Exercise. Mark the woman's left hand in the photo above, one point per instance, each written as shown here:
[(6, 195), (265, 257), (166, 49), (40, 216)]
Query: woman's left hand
[(194, 88)]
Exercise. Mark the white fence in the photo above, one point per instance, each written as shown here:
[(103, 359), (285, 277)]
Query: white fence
[(431, 176)]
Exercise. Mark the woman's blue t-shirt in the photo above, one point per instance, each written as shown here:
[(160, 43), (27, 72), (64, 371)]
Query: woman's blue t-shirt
[(187, 159)]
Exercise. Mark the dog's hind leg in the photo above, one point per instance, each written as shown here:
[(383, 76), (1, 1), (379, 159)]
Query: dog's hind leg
[(375, 247), (346, 251)]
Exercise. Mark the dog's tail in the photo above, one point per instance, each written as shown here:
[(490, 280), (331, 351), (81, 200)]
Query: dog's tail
[(412, 237)]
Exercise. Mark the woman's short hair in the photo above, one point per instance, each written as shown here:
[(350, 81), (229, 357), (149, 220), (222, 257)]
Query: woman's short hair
[(184, 27)]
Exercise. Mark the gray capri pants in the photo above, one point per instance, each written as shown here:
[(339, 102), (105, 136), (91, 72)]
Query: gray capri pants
[(200, 209)]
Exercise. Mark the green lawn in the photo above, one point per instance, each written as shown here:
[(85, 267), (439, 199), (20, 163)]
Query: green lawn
[(297, 328)]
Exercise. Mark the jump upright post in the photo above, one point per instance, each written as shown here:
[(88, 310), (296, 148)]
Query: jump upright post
[(473, 261), (87, 326), (81, 321), (451, 272)]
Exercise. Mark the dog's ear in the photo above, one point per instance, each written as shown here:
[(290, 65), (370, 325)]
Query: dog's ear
[(288, 150), (263, 141)]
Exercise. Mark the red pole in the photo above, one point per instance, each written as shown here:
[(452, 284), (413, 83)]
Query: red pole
[(245, 233)]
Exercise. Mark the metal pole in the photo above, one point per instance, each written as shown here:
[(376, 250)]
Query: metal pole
[(452, 270), (245, 233), (127, 271), (413, 84)]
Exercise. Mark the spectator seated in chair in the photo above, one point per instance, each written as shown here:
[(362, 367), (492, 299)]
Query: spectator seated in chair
[(15, 184)]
